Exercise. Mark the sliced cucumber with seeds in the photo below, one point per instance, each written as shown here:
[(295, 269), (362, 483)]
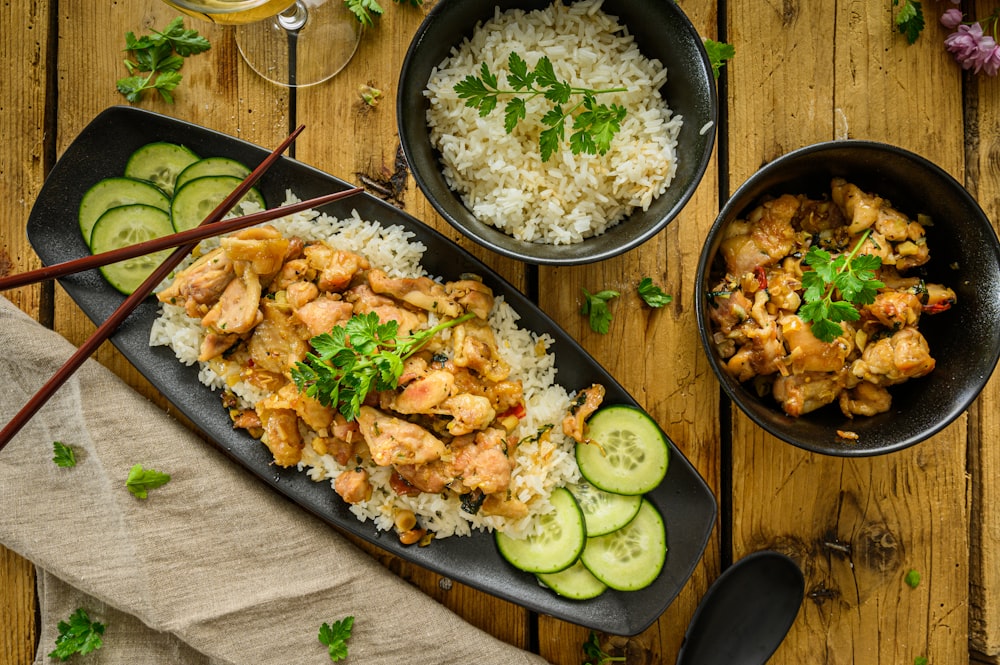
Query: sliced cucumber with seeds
[(557, 545), (113, 192), (575, 582), (627, 452), (197, 198), (160, 163), (604, 512), (631, 557), (212, 166), (124, 226)]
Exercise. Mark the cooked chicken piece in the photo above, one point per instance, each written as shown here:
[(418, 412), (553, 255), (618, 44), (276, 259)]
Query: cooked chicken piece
[(476, 348), (472, 295), (587, 401), (278, 342), (729, 310), (200, 285), (238, 309), (295, 271), (865, 399), (891, 360), (762, 352), (214, 345), (468, 413), (860, 208), (807, 353), (353, 486), (342, 451), (365, 301), (803, 393), (483, 463), (263, 247), (281, 431), (425, 394), (894, 309), (392, 440), (421, 292), (503, 505), (299, 293), (762, 239), (434, 477), (312, 412), (818, 216), (335, 268), (323, 314)]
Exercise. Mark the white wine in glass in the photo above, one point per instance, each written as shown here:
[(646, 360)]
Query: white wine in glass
[(294, 43)]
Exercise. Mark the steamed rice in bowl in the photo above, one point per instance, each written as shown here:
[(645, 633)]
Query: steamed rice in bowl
[(544, 456), (501, 177)]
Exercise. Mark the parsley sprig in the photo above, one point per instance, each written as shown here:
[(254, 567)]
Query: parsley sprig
[(909, 19), (595, 307), (718, 54), (63, 455), (850, 275), (77, 635), (141, 480), (366, 11), (594, 124), (157, 57), (596, 655), (352, 360), (334, 637)]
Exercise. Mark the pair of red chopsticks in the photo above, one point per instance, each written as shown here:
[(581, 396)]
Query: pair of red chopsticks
[(185, 242)]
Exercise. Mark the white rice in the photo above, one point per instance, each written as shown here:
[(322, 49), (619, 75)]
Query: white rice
[(541, 463), (501, 177)]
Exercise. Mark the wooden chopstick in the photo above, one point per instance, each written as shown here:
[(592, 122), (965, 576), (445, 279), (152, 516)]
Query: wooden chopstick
[(106, 329), (194, 235)]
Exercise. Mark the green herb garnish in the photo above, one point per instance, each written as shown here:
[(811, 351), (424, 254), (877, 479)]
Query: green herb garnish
[(334, 637), (594, 125), (366, 11), (653, 295), (853, 277), (140, 480), (595, 305), (718, 54), (362, 355), (909, 19), (920, 660), (596, 655), (912, 579), (78, 635), (157, 58), (63, 455)]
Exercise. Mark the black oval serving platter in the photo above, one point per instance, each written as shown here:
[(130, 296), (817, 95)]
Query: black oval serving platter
[(101, 150)]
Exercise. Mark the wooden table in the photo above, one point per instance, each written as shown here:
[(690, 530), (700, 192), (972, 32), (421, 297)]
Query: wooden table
[(805, 71)]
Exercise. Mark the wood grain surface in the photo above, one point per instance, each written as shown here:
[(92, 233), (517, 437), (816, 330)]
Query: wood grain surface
[(805, 71)]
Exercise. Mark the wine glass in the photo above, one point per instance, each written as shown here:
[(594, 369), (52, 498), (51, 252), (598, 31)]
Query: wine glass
[(294, 43)]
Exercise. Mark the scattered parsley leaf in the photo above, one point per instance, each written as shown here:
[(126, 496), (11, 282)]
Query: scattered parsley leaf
[(653, 295), (594, 124), (920, 660), (140, 481), (850, 275), (718, 54), (362, 355), (335, 637), (909, 19), (912, 579), (156, 59), (596, 307), (63, 455), (366, 11), (77, 635), (595, 655)]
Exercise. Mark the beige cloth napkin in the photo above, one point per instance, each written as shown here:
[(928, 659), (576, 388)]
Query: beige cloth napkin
[(213, 567)]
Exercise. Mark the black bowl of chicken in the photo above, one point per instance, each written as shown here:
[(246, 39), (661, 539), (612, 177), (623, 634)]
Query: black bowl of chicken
[(964, 255)]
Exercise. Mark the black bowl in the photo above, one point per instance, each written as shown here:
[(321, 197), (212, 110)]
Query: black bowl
[(965, 255), (661, 30)]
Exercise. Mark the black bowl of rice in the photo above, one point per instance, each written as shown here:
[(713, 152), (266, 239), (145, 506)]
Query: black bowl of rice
[(574, 206), (916, 357)]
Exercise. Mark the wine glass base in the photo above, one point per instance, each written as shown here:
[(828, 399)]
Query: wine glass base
[(291, 56)]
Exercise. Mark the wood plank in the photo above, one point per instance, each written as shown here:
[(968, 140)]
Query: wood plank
[(839, 70), (656, 355)]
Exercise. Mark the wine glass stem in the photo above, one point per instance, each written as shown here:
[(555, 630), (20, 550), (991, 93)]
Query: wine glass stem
[(293, 18)]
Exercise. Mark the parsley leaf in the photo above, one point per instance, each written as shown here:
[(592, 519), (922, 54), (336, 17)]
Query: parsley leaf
[(920, 660), (157, 58), (594, 124), (909, 19), (77, 635), (366, 11), (140, 481), (718, 54), (852, 276), (596, 307), (335, 637), (912, 579), (63, 455), (653, 295), (362, 355), (596, 655)]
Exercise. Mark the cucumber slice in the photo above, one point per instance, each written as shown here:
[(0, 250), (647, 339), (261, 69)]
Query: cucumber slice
[(159, 163), (212, 166), (113, 192), (604, 512), (631, 557), (128, 225), (575, 582), (558, 543), (627, 452), (197, 198)]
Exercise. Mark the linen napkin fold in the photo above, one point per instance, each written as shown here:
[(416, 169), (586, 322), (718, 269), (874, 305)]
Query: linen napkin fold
[(213, 567)]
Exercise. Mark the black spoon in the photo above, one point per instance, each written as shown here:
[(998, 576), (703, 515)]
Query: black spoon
[(746, 613)]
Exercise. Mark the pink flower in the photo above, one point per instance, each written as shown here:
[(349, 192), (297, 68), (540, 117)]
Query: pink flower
[(963, 44), (952, 18)]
